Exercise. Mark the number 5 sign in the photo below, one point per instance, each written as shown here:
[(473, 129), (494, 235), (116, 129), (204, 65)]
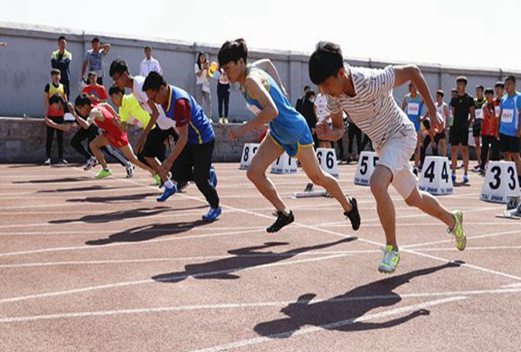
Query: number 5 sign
[(365, 168), (327, 160)]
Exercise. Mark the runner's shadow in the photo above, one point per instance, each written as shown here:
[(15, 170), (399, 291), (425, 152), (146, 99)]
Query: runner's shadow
[(57, 180), (81, 189), (244, 258), (148, 232), (115, 216), (108, 199), (343, 312)]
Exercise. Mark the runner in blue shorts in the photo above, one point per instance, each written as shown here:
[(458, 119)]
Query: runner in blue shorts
[(288, 131)]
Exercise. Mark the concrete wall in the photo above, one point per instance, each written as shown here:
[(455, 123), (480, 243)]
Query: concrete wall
[(25, 66), (23, 140)]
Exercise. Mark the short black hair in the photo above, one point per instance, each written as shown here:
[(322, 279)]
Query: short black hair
[(153, 81), (480, 87), (511, 79), (489, 91), (56, 98), (306, 88), (461, 79), (440, 92), (233, 51), (499, 84), (55, 71), (92, 73), (118, 66), (95, 39), (61, 37), (81, 100), (325, 62), (310, 93), (116, 90), (148, 48)]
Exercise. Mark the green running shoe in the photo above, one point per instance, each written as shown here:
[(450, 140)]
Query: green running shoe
[(390, 260), (104, 173), (157, 180), (457, 231)]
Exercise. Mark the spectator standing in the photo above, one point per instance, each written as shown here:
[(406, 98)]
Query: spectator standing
[(54, 112), (149, 64), (489, 131), (510, 124), (202, 89), (93, 60), (462, 105), (223, 96), (61, 60)]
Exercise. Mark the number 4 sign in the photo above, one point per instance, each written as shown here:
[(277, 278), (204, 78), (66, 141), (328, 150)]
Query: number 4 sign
[(435, 176)]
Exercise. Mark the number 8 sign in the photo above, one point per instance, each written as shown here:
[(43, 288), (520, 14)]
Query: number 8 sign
[(248, 152)]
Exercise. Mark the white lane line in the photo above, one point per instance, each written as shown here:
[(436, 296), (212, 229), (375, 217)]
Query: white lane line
[(193, 258), (129, 243), (164, 279), (255, 305), (334, 325), (494, 234)]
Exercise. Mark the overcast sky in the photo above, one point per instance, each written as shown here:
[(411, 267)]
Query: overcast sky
[(477, 33)]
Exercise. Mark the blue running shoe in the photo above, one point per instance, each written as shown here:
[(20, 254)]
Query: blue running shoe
[(167, 193), (212, 214), (213, 176)]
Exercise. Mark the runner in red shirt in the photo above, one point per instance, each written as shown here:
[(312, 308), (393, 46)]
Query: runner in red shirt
[(113, 132), (489, 130), (96, 92)]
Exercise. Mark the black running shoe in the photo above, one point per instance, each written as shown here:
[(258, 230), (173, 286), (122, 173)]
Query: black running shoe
[(353, 215), (282, 220), (181, 186)]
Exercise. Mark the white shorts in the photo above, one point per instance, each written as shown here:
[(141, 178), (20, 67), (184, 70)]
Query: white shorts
[(395, 155)]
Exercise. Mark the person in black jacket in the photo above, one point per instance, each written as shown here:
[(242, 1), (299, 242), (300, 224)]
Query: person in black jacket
[(308, 111), (300, 100)]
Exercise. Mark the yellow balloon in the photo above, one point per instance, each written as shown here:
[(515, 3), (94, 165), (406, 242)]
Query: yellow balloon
[(214, 67)]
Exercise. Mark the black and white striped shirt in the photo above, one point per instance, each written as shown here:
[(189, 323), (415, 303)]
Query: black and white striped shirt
[(373, 108)]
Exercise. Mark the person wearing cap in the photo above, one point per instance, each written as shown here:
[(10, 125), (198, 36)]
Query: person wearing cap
[(509, 131), (479, 101), (462, 105), (93, 60)]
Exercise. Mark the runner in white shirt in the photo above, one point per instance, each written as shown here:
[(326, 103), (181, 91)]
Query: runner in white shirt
[(149, 64), (366, 96)]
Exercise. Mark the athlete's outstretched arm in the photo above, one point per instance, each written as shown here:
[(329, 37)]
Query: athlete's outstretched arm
[(412, 73), (269, 67), (333, 133)]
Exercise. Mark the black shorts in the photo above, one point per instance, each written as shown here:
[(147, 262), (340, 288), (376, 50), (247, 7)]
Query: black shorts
[(439, 136), (476, 128), (459, 136), (509, 144), (155, 144)]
